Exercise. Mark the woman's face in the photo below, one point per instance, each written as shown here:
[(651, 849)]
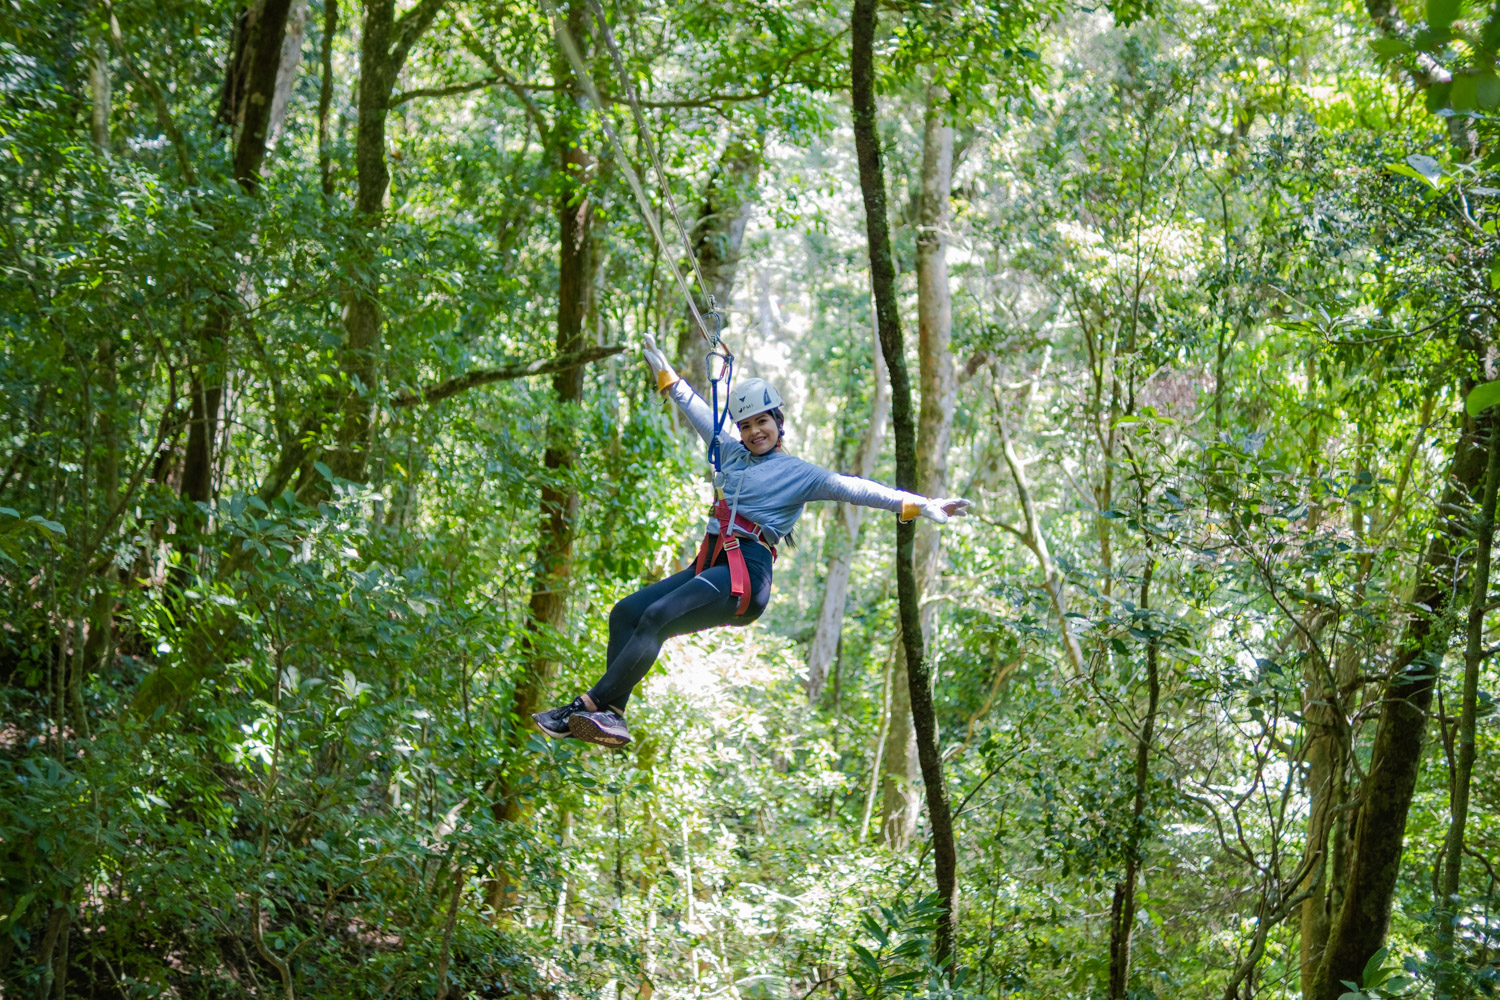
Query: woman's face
[(760, 433)]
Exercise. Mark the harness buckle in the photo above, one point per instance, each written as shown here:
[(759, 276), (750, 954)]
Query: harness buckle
[(732, 544)]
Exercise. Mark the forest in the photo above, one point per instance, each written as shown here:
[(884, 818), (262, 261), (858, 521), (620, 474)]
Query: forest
[(327, 445)]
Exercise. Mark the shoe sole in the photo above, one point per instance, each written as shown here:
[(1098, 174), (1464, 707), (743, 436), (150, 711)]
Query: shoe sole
[(589, 731), (537, 721)]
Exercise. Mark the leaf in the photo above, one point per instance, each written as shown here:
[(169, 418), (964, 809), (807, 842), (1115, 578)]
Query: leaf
[(1465, 93), (21, 904), (1430, 169), (52, 527), (1372, 967), (1440, 14), (868, 960), (1436, 97), (324, 470), (1482, 397), (1390, 46), (1487, 91), (1404, 171)]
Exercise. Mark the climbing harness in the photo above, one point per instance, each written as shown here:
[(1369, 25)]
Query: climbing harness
[(729, 519), (719, 361), (728, 542)]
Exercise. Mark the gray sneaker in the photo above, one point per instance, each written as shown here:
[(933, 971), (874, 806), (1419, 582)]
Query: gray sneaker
[(607, 728), (554, 721)]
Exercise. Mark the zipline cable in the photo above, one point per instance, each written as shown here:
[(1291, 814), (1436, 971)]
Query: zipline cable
[(575, 59), (716, 347), (645, 133)]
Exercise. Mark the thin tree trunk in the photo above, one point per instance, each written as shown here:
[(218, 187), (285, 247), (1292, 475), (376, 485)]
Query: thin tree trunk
[(363, 315), (1359, 926), (883, 275), (728, 201), (95, 651), (1327, 787), (260, 71), (286, 72), (100, 94), (558, 503), (560, 911), (1036, 540), (445, 955), (1122, 908), (385, 42), (1474, 654), (249, 87), (843, 540), (325, 95), (875, 764), (939, 387)]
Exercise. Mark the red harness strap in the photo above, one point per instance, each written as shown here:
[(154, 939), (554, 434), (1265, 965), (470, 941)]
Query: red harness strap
[(739, 574)]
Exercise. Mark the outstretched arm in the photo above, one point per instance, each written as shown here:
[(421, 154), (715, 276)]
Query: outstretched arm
[(868, 493), (699, 413)]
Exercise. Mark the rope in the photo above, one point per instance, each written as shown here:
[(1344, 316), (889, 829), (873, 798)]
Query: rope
[(645, 133), (575, 59), (716, 348)]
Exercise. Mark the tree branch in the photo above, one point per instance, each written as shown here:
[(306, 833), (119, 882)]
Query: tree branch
[(520, 369), (451, 90), (473, 43), (163, 113), (410, 27)]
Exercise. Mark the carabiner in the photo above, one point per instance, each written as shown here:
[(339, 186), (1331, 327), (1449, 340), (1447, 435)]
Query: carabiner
[(726, 364)]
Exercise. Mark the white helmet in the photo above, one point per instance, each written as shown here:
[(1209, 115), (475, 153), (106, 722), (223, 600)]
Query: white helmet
[(752, 396)]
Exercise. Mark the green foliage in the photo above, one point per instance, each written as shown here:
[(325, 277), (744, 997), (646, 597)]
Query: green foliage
[(1224, 282)]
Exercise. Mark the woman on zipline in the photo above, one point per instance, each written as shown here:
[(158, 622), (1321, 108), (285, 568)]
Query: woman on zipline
[(762, 491)]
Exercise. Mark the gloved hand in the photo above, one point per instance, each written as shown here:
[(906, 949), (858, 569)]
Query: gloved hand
[(940, 509), (665, 376)]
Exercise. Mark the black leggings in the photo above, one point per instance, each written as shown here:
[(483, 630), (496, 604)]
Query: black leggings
[(682, 603)]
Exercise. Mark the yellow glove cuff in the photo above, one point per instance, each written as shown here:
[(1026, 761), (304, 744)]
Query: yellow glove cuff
[(909, 510), (665, 379)]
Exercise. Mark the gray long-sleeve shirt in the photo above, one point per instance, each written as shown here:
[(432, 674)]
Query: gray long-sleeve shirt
[(771, 489)]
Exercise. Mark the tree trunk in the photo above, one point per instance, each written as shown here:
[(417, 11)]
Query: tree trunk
[(1122, 908), (100, 94), (1474, 655), (939, 393), (363, 316), (384, 45), (1327, 786), (883, 278), (575, 281), (1359, 926), (1036, 540), (559, 504), (286, 73), (249, 85), (727, 203), (325, 95), (259, 67), (843, 540)]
